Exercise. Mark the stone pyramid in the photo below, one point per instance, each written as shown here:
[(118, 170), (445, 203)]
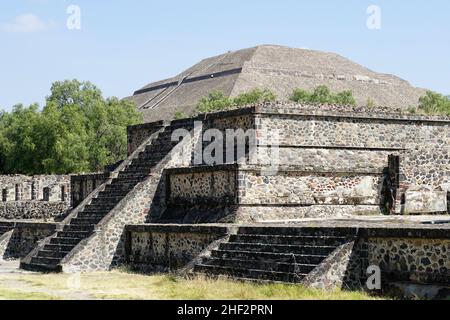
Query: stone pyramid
[(280, 69)]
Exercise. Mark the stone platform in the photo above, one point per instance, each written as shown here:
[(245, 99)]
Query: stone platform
[(323, 253)]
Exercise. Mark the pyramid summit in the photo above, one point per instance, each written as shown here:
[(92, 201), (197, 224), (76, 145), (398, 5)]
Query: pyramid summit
[(280, 69)]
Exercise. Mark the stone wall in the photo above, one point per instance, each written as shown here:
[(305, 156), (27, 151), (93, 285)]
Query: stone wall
[(137, 134), (153, 248), (327, 125), (426, 166), (22, 238), (309, 188), (247, 194), (326, 159), (420, 180), (50, 188), (83, 185), (418, 259), (33, 210), (213, 186), (34, 197)]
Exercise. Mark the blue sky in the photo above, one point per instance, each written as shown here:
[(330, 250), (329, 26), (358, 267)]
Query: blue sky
[(125, 44)]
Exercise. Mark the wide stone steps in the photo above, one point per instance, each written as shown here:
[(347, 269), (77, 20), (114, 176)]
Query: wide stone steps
[(83, 225), (268, 257), (277, 254), (261, 265), (249, 273)]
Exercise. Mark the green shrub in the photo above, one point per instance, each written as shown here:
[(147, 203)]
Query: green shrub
[(217, 101), (323, 95), (179, 115)]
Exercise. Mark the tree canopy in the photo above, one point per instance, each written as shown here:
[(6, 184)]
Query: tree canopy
[(434, 103), (76, 131)]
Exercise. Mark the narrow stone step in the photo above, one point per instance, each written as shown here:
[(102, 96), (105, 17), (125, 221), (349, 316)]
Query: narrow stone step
[(290, 240), (269, 257), (107, 197), (65, 248), (261, 265), (84, 221), (242, 279), (62, 240), (132, 175), (77, 228), (40, 267), (52, 254), (137, 171), (51, 262), (300, 231), (84, 215), (115, 192), (74, 234), (145, 166), (99, 207), (262, 247), (127, 181), (250, 273)]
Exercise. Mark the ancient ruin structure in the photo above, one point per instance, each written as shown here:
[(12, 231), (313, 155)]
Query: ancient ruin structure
[(319, 195)]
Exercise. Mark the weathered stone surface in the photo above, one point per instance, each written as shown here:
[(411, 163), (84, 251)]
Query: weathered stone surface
[(421, 201), (168, 247)]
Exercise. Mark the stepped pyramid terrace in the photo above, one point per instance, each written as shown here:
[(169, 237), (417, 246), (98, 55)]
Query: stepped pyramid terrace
[(314, 194)]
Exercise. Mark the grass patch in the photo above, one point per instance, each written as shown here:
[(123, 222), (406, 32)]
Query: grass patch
[(123, 285)]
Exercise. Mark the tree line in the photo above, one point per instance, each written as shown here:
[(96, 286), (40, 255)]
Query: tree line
[(78, 130)]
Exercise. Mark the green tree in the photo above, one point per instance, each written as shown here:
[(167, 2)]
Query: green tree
[(77, 131), (434, 103), (215, 101)]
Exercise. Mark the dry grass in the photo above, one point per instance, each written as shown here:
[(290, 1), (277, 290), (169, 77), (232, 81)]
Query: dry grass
[(122, 285), (11, 294)]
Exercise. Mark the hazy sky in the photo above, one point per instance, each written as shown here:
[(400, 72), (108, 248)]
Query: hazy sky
[(123, 45)]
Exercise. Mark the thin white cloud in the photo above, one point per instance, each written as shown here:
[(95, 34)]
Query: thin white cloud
[(26, 23)]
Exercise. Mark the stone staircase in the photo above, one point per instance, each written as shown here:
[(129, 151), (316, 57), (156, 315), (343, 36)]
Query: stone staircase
[(273, 254), (49, 257)]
